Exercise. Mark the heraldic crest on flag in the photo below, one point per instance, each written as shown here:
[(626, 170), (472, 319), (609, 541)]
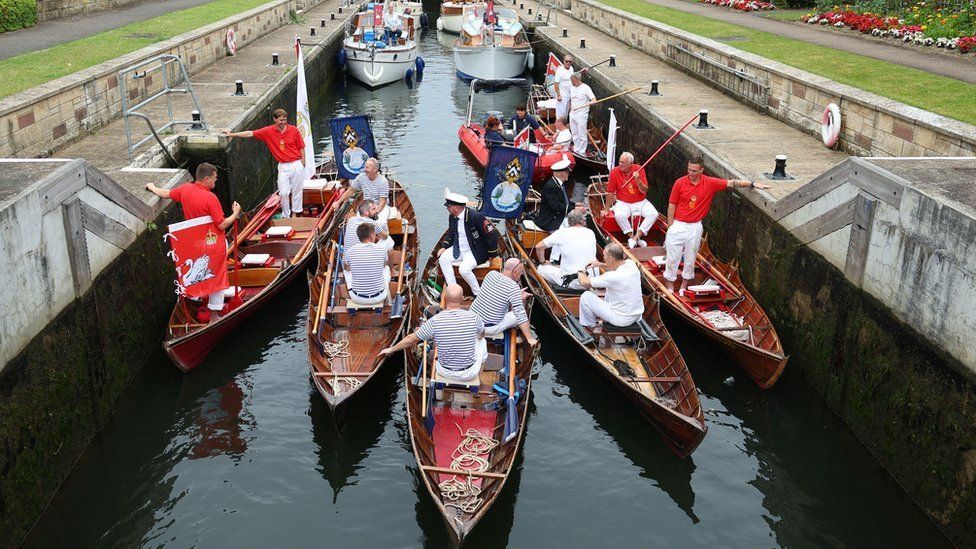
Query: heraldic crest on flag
[(507, 181), (352, 144), (200, 256)]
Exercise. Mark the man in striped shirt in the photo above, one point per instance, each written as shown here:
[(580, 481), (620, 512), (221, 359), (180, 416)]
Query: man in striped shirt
[(368, 274), (455, 332), (373, 185), (500, 303), (366, 212)]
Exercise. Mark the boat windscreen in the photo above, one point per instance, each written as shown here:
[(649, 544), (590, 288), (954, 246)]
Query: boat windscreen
[(500, 84)]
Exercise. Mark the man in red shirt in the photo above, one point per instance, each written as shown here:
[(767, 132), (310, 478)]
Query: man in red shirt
[(197, 200), (288, 149), (691, 198), (627, 194)]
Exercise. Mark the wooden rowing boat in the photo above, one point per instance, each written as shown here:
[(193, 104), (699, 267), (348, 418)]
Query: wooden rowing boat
[(750, 339), (187, 342), (340, 369), (661, 386), (595, 159), (456, 411)]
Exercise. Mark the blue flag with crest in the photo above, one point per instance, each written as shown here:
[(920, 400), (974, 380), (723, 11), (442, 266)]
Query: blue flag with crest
[(507, 180), (352, 144)]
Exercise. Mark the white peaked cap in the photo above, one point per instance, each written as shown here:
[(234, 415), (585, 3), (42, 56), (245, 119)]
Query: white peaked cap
[(561, 164), (455, 198)]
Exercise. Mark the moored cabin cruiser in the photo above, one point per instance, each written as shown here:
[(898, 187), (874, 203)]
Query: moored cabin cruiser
[(413, 10), (491, 50), (452, 13), (376, 56)]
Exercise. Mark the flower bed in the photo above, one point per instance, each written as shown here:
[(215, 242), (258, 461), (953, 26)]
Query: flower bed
[(921, 25), (742, 5)]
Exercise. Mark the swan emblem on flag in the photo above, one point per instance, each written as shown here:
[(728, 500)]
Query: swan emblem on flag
[(507, 196), (199, 270), (354, 157)]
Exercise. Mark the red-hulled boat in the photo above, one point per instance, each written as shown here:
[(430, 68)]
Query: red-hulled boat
[(187, 341)]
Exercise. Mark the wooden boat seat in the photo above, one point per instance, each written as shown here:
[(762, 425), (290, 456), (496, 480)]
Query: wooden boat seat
[(639, 328), (251, 277), (352, 306), (300, 224), (441, 383)]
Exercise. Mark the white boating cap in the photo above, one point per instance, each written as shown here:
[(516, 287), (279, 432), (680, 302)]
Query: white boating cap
[(561, 165), (454, 198)]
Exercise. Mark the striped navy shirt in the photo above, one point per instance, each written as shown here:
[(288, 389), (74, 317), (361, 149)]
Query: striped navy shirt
[(499, 294), (455, 333), (351, 239), (373, 189), (366, 263)]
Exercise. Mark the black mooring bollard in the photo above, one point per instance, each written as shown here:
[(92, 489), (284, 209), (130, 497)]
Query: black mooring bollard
[(340, 9), (530, 11), (311, 31), (779, 172), (195, 116), (703, 120), (582, 43), (321, 22), (239, 87), (654, 90), (331, 17), (613, 60), (565, 33), (274, 60)]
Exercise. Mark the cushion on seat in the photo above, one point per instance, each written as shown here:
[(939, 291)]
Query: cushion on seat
[(229, 292), (705, 288), (530, 225), (281, 230), (256, 259)]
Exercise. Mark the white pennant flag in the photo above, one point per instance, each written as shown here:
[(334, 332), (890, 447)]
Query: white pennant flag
[(303, 118), (612, 141)]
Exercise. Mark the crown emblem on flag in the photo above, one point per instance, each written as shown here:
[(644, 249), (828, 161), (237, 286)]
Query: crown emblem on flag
[(210, 238)]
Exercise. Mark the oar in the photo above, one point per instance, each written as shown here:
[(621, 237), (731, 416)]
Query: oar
[(396, 310), (511, 415), (429, 421), (661, 148), (324, 296), (607, 60), (591, 103), (423, 377)]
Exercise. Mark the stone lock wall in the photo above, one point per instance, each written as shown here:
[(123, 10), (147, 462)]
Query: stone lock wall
[(54, 9), (872, 125)]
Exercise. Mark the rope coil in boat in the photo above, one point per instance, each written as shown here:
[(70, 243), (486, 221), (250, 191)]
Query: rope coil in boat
[(339, 349), (467, 456), (725, 319)]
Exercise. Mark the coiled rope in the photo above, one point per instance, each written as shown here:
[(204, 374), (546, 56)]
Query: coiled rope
[(339, 349), (725, 319), (463, 495)]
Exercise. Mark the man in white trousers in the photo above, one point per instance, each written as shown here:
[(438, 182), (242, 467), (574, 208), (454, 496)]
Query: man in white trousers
[(623, 304), (501, 303), (577, 247), (471, 240), (627, 199), (288, 149), (690, 201), (580, 98), (562, 84)]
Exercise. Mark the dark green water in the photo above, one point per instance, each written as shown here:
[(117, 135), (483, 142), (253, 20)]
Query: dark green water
[(243, 452)]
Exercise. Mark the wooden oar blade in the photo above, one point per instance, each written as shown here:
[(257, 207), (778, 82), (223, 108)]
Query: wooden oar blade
[(511, 419), (396, 309)]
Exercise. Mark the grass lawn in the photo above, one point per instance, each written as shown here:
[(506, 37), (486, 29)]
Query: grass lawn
[(785, 14), (31, 69), (938, 94)]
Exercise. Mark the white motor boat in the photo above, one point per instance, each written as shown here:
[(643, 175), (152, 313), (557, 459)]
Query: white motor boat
[(372, 57), (491, 52), (415, 10), (452, 13)]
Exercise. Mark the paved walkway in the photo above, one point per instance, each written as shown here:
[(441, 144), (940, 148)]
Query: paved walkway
[(935, 63), (58, 31)]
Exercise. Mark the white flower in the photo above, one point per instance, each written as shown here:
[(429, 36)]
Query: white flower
[(928, 41), (838, 24)]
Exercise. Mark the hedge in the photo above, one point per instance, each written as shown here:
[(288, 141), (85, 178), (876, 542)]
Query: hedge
[(17, 14)]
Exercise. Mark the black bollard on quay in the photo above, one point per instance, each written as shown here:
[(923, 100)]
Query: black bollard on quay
[(331, 17), (239, 87), (779, 171), (197, 124), (613, 60), (530, 11), (521, 6), (321, 22), (311, 31), (274, 60), (703, 121), (654, 91), (582, 43), (565, 33)]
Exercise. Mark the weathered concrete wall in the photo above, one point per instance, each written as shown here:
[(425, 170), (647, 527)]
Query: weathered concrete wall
[(53, 9), (872, 125)]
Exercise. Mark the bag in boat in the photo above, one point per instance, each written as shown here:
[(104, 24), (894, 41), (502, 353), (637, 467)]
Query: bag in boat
[(199, 250), (507, 180), (352, 144)]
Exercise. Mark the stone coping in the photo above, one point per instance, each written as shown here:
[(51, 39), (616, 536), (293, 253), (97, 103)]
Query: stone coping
[(931, 120)]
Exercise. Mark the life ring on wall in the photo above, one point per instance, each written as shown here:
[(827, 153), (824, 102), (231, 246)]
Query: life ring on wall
[(830, 125), (231, 42)]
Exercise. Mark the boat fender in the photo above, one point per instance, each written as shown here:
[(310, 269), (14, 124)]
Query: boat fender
[(530, 60), (440, 24), (379, 44), (420, 64), (409, 75), (341, 58), (423, 21), (231, 42), (830, 125)]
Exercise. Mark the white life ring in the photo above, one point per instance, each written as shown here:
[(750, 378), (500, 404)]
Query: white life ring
[(231, 42), (830, 125)]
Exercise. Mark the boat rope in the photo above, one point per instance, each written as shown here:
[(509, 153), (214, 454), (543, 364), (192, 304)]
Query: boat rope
[(468, 457), (724, 319), (460, 495), (339, 349), (666, 402), (350, 382)]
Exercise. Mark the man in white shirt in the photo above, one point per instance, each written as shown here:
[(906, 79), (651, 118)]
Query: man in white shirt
[(373, 185), (392, 24), (561, 83), (580, 97), (366, 211), (577, 246), (368, 279), (562, 139), (624, 304)]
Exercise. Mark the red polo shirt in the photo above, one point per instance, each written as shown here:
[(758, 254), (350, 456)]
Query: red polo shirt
[(626, 188), (692, 202), (198, 201), (286, 146)]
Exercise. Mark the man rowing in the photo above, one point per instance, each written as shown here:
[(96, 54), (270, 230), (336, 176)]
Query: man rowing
[(373, 185), (623, 304), (577, 248), (366, 212), (471, 239), (197, 200), (501, 302), (288, 149), (368, 273), (580, 99), (455, 331), (627, 199), (690, 201)]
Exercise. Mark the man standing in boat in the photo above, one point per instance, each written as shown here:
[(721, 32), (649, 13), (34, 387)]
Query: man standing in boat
[(580, 99), (373, 185), (197, 200), (690, 201), (471, 240), (288, 149), (561, 85), (627, 199), (624, 304)]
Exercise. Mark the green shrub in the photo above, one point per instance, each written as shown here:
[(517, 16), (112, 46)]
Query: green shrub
[(17, 14), (794, 4)]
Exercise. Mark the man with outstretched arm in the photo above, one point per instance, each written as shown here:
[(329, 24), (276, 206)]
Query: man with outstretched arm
[(288, 149), (691, 199)]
